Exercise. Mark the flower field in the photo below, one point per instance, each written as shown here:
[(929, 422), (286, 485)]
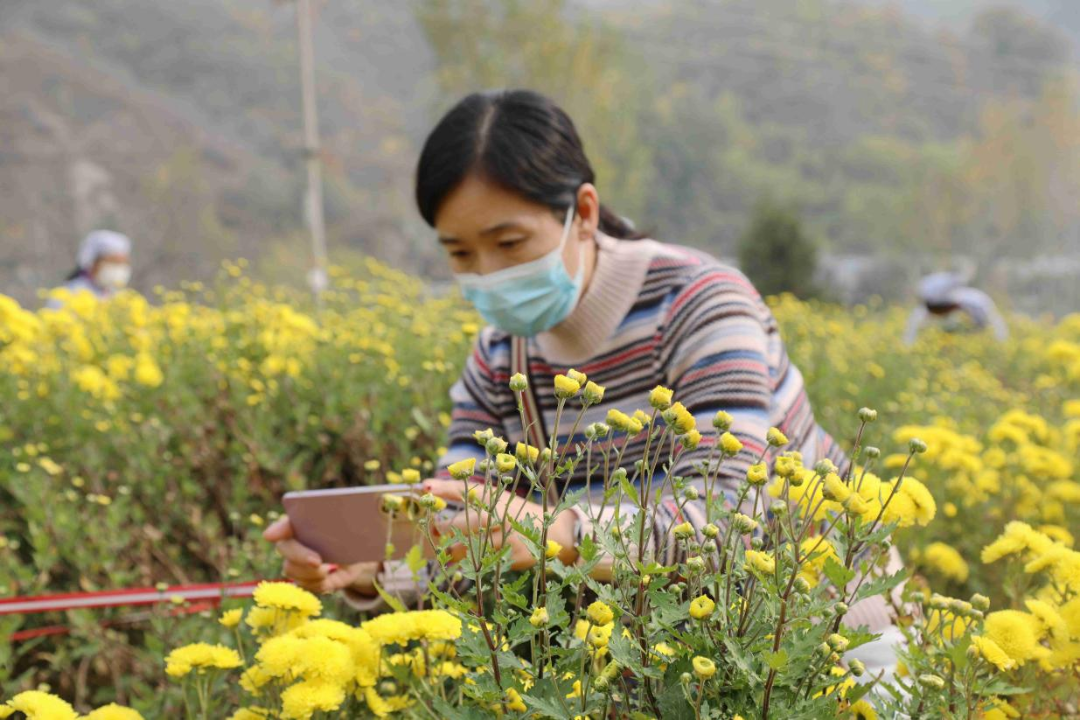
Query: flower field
[(147, 443)]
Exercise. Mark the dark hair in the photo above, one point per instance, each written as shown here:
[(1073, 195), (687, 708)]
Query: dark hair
[(518, 139)]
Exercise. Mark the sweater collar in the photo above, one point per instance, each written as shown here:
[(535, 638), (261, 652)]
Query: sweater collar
[(621, 266)]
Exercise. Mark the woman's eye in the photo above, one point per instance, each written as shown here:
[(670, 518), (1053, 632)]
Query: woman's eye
[(508, 244), (459, 254)]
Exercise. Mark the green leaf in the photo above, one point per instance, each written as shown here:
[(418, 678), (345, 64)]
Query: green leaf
[(414, 559), (776, 660), (539, 699), (839, 575), (630, 490), (389, 599)]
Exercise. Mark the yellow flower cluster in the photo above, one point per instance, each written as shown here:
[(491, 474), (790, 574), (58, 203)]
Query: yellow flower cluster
[(306, 665), (1048, 629)]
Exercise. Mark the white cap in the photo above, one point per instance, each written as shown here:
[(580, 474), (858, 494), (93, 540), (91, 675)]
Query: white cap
[(100, 243)]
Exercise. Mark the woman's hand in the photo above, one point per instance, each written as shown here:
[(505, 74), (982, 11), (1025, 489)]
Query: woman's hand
[(475, 521), (304, 566)]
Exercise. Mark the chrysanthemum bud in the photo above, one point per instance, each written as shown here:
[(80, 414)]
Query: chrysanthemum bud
[(841, 608), (539, 617), (801, 585), (683, 530), (593, 393), (939, 602), (565, 387), (482, 436), (824, 466), (722, 421), (857, 668), (577, 376), (505, 463), (918, 447), (743, 523), (495, 445), (918, 596), (960, 607), (686, 678), (931, 681), (690, 440), (660, 397), (837, 642), (757, 474), (463, 469), (757, 543), (600, 613), (775, 438), (823, 649), (871, 452), (695, 564), (730, 444), (778, 508), (518, 383), (431, 502), (392, 503), (784, 466), (980, 602), (867, 415), (691, 493), (710, 531), (709, 546)]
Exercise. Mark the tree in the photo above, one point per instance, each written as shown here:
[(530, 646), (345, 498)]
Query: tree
[(581, 63), (776, 254)]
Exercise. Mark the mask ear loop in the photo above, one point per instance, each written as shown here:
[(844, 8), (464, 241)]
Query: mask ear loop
[(571, 212)]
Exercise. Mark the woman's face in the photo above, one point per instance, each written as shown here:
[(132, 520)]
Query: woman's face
[(485, 228)]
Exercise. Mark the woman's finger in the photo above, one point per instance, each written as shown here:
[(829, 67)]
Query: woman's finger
[(280, 529), (302, 572), (293, 551), (453, 490)]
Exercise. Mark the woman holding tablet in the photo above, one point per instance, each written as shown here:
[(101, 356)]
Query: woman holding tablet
[(504, 180)]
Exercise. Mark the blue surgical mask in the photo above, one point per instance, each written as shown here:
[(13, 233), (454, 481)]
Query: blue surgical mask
[(529, 298)]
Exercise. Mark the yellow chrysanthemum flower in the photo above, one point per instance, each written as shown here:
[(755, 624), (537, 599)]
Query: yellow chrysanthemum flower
[(286, 596), (701, 607), (704, 668), (37, 705), (1016, 633), (303, 699), (112, 711), (600, 613), (462, 469), (761, 562), (200, 657)]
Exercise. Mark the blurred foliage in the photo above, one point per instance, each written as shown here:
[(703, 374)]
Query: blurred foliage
[(776, 254), (892, 137)]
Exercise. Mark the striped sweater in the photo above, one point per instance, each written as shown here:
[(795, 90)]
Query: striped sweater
[(654, 314)]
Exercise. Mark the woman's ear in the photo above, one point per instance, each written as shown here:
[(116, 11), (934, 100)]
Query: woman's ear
[(588, 208)]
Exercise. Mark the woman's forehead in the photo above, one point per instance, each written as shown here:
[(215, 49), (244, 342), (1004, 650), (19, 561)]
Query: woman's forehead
[(476, 206)]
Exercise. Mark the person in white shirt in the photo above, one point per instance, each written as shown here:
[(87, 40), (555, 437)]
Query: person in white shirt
[(943, 294)]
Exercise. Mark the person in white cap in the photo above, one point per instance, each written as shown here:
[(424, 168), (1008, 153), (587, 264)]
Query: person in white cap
[(104, 265), (943, 294)]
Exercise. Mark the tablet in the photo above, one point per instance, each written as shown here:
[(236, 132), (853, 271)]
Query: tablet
[(355, 524)]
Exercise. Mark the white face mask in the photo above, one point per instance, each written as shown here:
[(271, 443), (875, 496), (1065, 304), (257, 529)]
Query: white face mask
[(114, 276)]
